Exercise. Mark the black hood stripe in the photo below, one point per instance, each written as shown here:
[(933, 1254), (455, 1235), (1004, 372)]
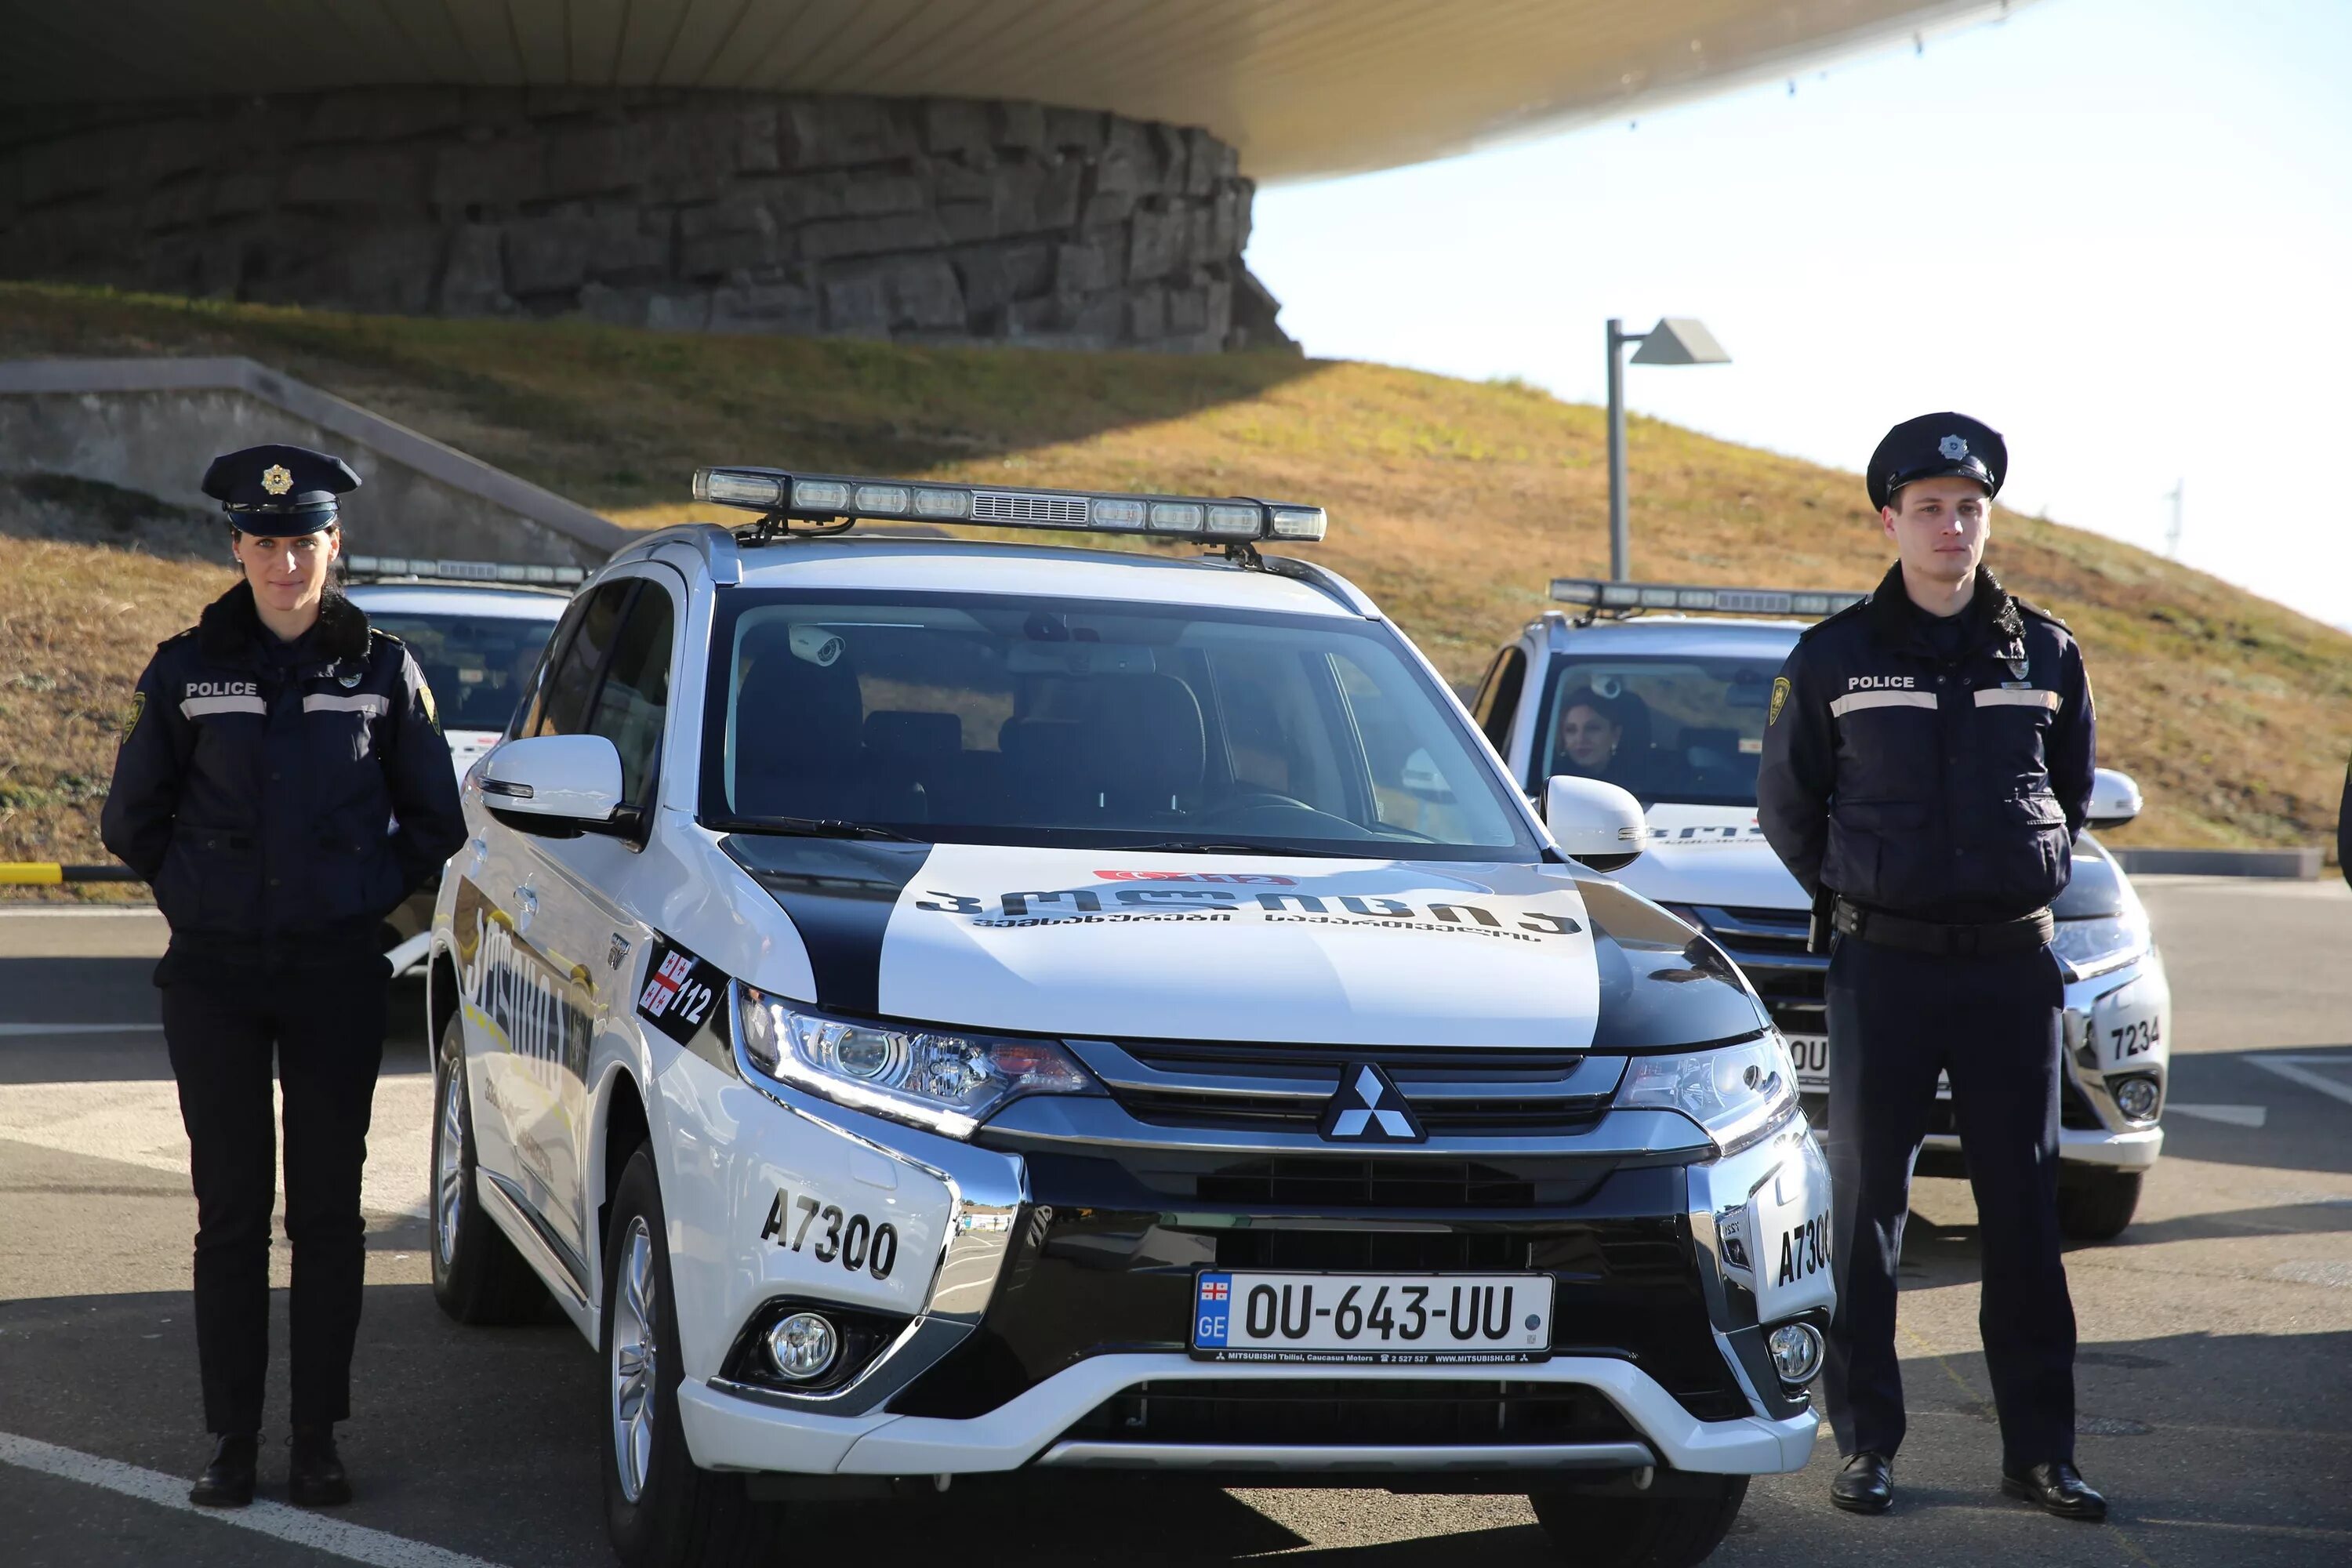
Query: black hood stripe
[(839, 894), (1662, 986)]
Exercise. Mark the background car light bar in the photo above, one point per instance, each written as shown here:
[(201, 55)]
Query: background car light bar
[(357, 566), (828, 498), (1604, 595)]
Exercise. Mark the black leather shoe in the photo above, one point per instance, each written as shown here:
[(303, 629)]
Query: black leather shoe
[(314, 1472), (1866, 1485), (2056, 1487), (227, 1481)]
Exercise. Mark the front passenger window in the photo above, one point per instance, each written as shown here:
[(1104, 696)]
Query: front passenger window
[(564, 694), (636, 693)]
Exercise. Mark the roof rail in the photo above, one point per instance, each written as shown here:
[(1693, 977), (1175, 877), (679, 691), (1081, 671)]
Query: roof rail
[(715, 544)]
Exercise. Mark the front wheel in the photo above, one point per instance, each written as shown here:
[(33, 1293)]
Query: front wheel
[(2096, 1204), (660, 1510), (477, 1274), (1675, 1531)]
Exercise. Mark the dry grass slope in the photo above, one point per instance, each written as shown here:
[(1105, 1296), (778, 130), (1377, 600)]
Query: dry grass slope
[(1453, 503)]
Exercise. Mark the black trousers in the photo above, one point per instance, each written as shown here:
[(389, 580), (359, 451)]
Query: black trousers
[(1896, 1020), (324, 1024)]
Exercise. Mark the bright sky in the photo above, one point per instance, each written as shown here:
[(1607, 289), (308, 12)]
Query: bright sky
[(2119, 231)]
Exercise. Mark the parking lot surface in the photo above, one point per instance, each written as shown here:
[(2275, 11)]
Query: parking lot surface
[(2215, 1375)]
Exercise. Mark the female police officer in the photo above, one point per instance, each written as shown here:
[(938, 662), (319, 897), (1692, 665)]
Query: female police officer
[(266, 751)]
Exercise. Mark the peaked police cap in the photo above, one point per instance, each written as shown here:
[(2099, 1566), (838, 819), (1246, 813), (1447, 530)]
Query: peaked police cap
[(278, 488), (1934, 445)]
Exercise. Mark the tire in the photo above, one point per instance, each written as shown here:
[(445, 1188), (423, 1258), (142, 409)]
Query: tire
[(2096, 1204), (1641, 1532), (478, 1277), (660, 1510)]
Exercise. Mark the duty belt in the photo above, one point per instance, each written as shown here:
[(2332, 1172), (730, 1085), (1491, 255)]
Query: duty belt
[(2025, 932)]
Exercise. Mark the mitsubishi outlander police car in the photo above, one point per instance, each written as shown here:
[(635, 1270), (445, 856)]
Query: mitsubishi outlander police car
[(478, 629), (931, 1008), (1686, 672)]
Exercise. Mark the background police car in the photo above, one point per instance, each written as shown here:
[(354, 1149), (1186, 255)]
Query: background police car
[(1695, 689), (477, 630), (1154, 1070)]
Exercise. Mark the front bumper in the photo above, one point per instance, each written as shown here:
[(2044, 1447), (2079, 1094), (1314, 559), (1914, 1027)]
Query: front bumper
[(1054, 1331)]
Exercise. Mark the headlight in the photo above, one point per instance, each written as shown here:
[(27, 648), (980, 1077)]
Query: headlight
[(2095, 946), (1739, 1093), (949, 1081)]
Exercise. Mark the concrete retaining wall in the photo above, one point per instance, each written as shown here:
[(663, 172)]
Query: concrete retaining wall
[(153, 425), (2293, 865), (926, 220)]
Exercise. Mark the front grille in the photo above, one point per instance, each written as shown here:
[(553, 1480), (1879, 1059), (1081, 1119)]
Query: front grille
[(1338, 1183), (1354, 1414), (1220, 1087)]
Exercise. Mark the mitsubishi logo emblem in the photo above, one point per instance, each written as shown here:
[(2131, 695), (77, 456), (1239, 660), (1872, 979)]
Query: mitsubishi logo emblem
[(1369, 1109)]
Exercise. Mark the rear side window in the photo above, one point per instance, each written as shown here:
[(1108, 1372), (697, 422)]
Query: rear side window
[(562, 703), (635, 697)]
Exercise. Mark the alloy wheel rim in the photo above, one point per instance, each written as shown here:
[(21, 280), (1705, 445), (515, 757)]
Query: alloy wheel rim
[(634, 1358), (449, 1165)]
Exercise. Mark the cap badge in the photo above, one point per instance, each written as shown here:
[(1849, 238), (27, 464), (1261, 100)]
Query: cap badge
[(276, 480), (1953, 447)]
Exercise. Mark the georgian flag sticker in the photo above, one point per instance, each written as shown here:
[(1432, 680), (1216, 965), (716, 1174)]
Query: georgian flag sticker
[(1369, 1109), (679, 991)]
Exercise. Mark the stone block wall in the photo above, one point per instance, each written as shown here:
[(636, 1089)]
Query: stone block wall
[(917, 220)]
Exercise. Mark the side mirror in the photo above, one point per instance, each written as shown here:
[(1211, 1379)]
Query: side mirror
[(555, 786), (1596, 823), (2115, 799)]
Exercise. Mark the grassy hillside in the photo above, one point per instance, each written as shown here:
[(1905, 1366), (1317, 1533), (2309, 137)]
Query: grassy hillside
[(1452, 503)]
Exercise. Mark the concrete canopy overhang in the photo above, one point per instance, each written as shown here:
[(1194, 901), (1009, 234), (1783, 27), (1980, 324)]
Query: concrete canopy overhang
[(1301, 88)]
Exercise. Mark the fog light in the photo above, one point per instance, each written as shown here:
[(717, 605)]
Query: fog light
[(2138, 1098), (1796, 1352), (803, 1347)]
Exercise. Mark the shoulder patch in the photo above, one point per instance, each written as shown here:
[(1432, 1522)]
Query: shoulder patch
[(137, 706), (1779, 701)]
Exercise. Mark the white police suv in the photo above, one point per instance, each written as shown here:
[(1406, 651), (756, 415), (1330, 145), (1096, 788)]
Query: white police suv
[(1682, 675), (930, 1008), (478, 629)]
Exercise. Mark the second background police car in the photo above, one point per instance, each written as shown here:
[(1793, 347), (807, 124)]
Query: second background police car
[(933, 1008), (1687, 671)]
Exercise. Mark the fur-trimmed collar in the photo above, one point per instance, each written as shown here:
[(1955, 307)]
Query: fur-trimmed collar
[(1894, 618), (230, 628)]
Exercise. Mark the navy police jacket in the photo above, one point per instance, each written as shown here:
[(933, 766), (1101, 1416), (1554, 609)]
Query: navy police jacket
[(281, 807), (1938, 786)]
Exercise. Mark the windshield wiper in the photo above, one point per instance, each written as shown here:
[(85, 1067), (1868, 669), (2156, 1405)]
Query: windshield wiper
[(1202, 847), (816, 827)]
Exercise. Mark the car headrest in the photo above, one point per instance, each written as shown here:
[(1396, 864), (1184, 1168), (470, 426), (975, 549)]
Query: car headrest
[(1155, 747)]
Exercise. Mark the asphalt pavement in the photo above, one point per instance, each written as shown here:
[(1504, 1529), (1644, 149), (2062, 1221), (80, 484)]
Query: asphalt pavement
[(2215, 1376)]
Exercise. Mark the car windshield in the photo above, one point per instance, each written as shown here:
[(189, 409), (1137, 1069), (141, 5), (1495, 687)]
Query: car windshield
[(1689, 730), (478, 666), (986, 719)]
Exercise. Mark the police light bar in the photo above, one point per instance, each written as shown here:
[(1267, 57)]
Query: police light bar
[(1606, 597), (461, 570), (833, 497)]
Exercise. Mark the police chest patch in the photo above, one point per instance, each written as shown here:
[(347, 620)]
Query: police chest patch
[(1779, 701), (679, 992), (130, 716)]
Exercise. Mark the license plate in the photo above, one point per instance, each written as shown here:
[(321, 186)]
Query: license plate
[(1812, 1053), (1386, 1320)]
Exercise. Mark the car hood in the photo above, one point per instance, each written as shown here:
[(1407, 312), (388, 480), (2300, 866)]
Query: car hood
[(1711, 855), (1093, 942)]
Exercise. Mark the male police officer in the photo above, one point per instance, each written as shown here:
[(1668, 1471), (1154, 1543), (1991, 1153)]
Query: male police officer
[(262, 757), (1927, 762)]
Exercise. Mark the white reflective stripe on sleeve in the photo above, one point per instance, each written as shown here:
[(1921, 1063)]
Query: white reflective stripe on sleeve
[(1996, 696), (366, 702), (1855, 701), (199, 707)]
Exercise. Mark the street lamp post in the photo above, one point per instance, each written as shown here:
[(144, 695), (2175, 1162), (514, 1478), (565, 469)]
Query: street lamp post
[(1676, 340)]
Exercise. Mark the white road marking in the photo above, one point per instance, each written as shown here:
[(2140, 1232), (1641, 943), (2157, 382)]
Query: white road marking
[(318, 1532), (137, 1123), (7, 1030), (2297, 1069), (2232, 1115)]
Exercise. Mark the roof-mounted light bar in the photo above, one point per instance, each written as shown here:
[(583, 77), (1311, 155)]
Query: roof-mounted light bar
[(834, 497), (379, 566), (1608, 598)]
